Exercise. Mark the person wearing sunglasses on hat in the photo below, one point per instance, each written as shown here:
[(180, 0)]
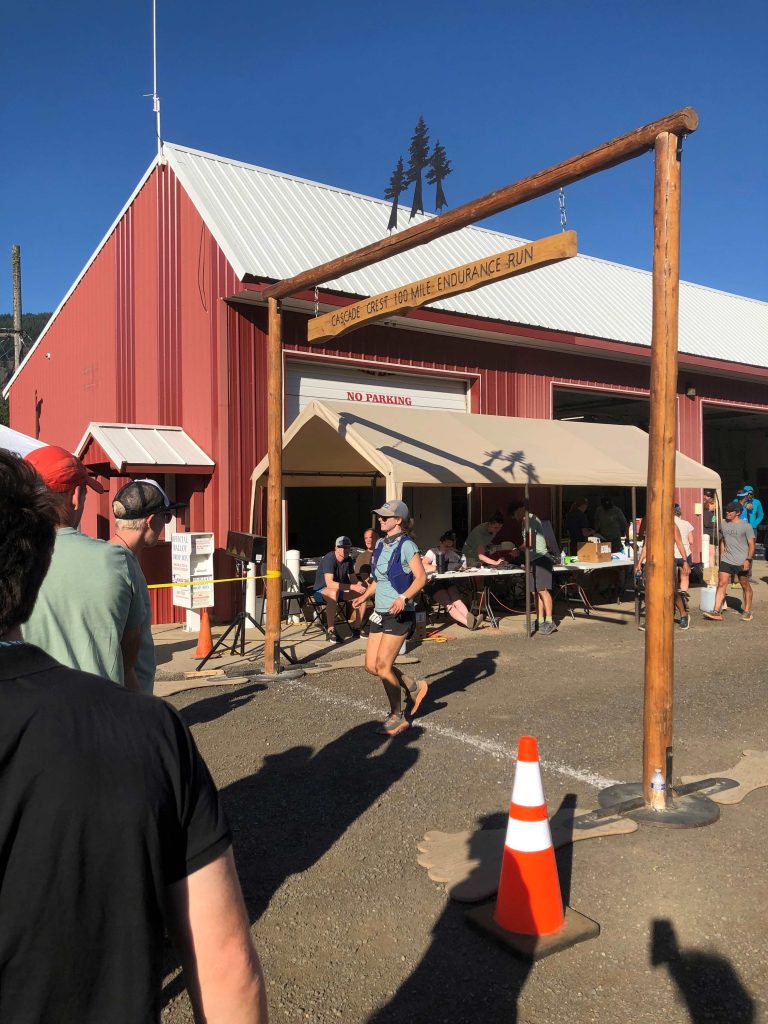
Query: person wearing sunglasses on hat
[(88, 614), (397, 575), (142, 510)]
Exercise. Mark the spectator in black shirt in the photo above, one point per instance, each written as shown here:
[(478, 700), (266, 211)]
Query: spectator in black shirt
[(335, 582), (110, 827)]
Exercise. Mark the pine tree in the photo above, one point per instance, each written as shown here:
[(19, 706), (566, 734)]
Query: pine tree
[(397, 185), (418, 160), (439, 168)]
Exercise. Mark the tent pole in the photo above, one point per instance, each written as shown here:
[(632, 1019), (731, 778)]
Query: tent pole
[(274, 487), (635, 554), (527, 537)]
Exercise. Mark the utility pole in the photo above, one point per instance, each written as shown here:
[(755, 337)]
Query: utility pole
[(17, 334)]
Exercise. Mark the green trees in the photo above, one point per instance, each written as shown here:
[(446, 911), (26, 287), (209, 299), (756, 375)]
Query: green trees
[(436, 164)]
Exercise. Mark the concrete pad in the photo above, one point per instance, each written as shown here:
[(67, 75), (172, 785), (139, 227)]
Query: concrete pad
[(167, 687), (576, 928), (469, 863), (750, 772)]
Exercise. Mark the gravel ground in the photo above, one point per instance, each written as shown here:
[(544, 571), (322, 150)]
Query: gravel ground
[(326, 816)]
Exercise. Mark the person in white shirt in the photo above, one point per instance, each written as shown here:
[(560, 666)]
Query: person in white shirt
[(446, 593), (683, 558)]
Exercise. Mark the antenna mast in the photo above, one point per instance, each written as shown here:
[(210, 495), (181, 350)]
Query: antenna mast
[(155, 97)]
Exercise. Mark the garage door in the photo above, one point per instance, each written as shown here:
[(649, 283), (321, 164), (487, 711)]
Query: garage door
[(337, 382)]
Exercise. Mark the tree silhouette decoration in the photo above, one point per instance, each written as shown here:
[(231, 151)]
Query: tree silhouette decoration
[(439, 169), (397, 185), (418, 160)]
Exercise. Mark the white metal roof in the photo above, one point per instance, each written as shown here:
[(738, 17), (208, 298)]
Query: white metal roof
[(138, 444), (274, 225), (18, 443)]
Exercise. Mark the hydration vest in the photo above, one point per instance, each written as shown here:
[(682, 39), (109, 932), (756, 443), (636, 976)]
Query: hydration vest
[(397, 576)]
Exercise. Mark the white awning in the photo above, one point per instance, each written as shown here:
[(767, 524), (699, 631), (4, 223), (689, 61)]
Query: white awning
[(138, 446), (18, 443), (340, 443)]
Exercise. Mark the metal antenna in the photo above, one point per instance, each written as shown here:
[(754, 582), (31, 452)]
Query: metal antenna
[(155, 97)]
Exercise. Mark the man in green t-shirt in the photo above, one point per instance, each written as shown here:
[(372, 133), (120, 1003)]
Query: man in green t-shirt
[(541, 567), (88, 613)]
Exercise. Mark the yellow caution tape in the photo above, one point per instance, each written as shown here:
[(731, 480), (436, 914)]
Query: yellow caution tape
[(272, 574)]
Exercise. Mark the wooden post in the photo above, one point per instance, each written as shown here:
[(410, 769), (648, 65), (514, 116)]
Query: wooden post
[(274, 485), (659, 615)]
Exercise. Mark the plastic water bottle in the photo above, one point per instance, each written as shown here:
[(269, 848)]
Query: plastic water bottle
[(658, 785), (562, 557)]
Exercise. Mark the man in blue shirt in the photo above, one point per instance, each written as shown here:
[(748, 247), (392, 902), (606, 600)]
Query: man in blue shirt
[(751, 507)]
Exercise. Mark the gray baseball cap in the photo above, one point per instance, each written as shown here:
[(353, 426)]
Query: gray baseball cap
[(393, 508), (343, 542)]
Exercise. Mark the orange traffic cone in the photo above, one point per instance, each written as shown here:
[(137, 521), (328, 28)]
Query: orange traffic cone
[(204, 640), (529, 900), (528, 916)]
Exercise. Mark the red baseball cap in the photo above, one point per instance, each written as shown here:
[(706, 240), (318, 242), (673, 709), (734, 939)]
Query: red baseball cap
[(61, 470)]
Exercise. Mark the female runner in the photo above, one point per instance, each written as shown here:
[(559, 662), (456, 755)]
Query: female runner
[(397, 575)]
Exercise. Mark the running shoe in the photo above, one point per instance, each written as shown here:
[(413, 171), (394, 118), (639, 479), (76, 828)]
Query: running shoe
[(333, 638), (685, 621), (546, 629), (393, 724), (747, 617), (713, 616), (471, 621)]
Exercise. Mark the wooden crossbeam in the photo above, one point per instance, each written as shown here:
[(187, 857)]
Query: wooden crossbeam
[(466, 278)]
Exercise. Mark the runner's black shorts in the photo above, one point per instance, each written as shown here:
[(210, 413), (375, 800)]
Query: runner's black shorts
[(392, 625), (733, 570)]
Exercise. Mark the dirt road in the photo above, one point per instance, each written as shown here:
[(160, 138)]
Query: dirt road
[(326, 816)]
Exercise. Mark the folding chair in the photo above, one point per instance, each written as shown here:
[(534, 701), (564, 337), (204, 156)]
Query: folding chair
[(314, 610)]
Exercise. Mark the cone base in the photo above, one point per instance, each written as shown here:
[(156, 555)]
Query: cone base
[(576, 928)]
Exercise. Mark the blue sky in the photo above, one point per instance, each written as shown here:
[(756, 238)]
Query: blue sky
[(332, 91)]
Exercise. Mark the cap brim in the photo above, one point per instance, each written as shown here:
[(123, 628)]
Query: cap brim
[(94, 484)]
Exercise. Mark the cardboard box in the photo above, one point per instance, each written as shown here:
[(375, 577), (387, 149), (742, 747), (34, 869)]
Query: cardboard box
[(594, 551)]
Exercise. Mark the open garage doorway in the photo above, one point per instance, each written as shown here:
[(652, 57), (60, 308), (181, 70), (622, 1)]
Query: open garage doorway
[(736, 446), (584, 406)]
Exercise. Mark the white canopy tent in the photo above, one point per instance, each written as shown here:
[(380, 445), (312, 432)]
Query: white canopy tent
[(333, 444), (18, 443)]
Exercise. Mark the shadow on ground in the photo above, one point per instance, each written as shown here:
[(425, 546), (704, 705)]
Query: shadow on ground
[(709, 985), (460, 676), (291, 812), (464, 977)]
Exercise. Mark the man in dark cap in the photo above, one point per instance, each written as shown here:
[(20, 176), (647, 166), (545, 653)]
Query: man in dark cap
[(737, 547), (88, 613), (142, 509), (335, 581)]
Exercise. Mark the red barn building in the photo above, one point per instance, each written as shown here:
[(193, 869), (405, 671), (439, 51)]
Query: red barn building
[(154, 362)]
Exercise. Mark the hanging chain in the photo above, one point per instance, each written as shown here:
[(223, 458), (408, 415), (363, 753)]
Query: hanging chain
[(563, 217), (317, 302)]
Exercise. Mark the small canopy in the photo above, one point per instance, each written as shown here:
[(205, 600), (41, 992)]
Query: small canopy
[(345, 443), (140, 447), (18, 443)]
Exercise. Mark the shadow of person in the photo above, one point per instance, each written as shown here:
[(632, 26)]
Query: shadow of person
[(458, 677), (463, 977), (211, 708), (291, 812), (709, 985)]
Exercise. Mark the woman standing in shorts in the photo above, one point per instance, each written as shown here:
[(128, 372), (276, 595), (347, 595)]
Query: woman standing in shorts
[(397, 575)]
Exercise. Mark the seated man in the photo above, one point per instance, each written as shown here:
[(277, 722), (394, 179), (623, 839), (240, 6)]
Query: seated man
[(443, 591), (362, 567), (335, 582)]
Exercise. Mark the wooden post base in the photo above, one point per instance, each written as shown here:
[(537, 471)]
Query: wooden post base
[(576, 928)]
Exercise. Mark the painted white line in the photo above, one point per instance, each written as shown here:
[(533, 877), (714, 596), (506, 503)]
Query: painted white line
[(492, 747)]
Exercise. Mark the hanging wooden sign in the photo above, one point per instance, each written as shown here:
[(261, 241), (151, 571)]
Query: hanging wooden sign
[(465, 278)]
